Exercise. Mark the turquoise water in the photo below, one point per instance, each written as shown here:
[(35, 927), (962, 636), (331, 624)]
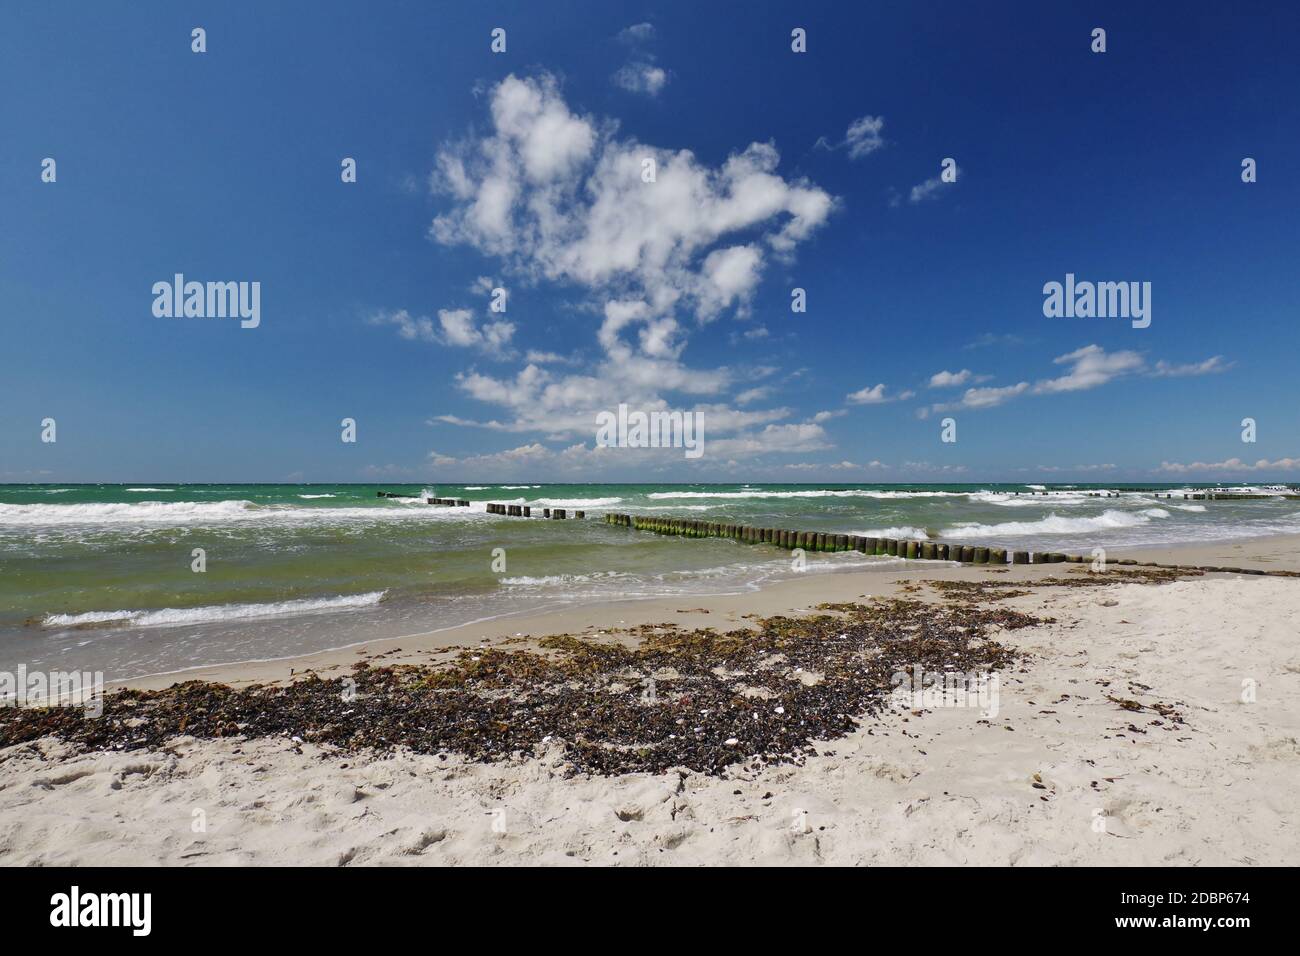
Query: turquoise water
[(100, 577)]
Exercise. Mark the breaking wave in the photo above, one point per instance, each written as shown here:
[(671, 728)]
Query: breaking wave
[(216, 612)]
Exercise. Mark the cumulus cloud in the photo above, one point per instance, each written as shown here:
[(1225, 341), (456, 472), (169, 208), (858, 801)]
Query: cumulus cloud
[(556, 196), (456, 327), (1090, 367), (946, 379), (1231, 464), (875, 395), (641, 77)]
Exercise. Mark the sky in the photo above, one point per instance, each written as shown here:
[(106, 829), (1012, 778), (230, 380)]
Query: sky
[(525, 171)]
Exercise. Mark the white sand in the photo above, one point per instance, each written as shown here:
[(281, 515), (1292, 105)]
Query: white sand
[(940, 788)]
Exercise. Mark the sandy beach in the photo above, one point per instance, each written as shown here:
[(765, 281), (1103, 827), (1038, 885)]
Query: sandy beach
[(1145, 724)]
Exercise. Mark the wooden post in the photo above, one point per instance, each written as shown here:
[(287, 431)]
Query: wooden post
[(981, 556), (928, 551), (997, 555), (1020, 557)]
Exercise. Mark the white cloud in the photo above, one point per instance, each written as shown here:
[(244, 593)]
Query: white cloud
[(784, 439), (1090, 367), (537, 357), (456, 327), (988, 397), (1077, 468), (637, 33), (557, 196), (931, 188), (875, 395), (863, 137), (946, 379), (1211, 366), (641, 77), (557, 201), (412, 328), (1231, 464)]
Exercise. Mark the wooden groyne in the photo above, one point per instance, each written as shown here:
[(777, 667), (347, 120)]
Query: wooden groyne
[(526, 511), (910, 549)]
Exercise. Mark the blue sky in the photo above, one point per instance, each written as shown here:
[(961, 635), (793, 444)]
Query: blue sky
[(517, 170)]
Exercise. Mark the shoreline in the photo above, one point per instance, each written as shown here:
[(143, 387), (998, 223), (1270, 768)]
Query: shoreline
[(1141, 724), (1274, 552)]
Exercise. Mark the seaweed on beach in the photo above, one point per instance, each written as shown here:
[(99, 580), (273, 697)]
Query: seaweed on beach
[(647, 699), (998, 590)]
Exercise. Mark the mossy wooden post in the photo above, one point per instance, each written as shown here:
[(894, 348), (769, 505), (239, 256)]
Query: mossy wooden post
[(880, 546), (1074, 558), (911, 550), (891, 547), (1020, 557), (981, 555), (997, 555), (842, 542), (967, 554), (869, 545), (929, 551)]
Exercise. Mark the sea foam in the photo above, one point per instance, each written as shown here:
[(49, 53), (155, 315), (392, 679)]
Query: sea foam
[(216, 612)]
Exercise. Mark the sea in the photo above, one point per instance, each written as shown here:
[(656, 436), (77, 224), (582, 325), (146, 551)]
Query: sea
[(141, 579)]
